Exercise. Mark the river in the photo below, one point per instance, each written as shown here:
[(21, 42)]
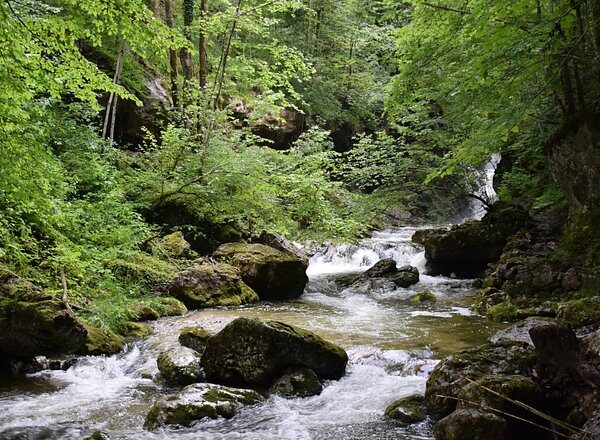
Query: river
[(392, 344)]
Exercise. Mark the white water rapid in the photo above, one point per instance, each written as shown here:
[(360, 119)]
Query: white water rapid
[(392, 342)]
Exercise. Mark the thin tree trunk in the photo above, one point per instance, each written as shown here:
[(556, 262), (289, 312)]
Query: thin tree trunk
[(203, 45), (172, 55), (111, 106), (226, 50), (184, 54)]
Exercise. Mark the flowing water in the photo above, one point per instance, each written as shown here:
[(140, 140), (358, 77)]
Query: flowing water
[(392, 344)]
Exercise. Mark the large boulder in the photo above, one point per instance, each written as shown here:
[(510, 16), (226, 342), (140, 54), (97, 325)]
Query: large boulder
[(470, 424), (33, 322), (194, 338), (450, 375), (384, 275), (466, 250), (197, 402), (580, 312), (280, 243), (180, 366), (253, 352), (211, 285), (273, 274)]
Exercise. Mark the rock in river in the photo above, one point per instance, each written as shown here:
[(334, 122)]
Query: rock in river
[(301, 382), (253, 352), (199, 401), (180, 366), (273, 274), (211, 285), (470, 424)]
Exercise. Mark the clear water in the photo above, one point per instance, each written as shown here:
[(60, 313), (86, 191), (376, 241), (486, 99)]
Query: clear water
[(392, 344)]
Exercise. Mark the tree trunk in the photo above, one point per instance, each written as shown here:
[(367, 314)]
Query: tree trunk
[(111, 106), (186, 58), (172, 55), (226, 50), (203, 45)]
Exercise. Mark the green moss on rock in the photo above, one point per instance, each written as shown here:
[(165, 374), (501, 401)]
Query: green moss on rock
[(194, 338), (302, 382), (505, 311), (102, 341), (580, 312), (425, 296), (407, 410), (168, 306), (211, 285), (180, 366)]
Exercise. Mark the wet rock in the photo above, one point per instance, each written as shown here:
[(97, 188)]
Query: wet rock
[(33, 322), (302, 382), (137, 330), (253, 352), (281, 243), (169, 306), (580, 312), (102, 341), (194, 338), (421, 235), (407, 410), (466, 250), (592, 341), (520, 331), (98, 435), (503, 312), (406, 276), (425, 296), (591, 428), (180, 366), (273, 274), (211, 285), (197, 402), (281, 129), (448, 377), (470, 424), (382, 268)]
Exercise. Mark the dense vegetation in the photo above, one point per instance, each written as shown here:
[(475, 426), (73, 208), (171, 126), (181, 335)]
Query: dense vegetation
[(392, 105)]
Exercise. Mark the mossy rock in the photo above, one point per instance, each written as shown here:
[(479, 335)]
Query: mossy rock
[(144, 267), (180, 366), (253, 352), (194, 338), (168, 306), (211, 285), (505, 311), (197, 402), (470, 424), (137, 330), (102, 341), (302, 382), (425, 296), (34, 322), (144, 313), (272, 274), (449, 377), (410, 409), (98, 435), (406, 276), (515, 387), (580, 312), (176, 245)]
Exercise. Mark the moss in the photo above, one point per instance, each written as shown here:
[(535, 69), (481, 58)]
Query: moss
[(144, 313), (137, 330), (176, 245), (410, 409), (144, 267), (505, 311), (102, 341), (194, 338), (167, 306), (425, 296), (581, 312)]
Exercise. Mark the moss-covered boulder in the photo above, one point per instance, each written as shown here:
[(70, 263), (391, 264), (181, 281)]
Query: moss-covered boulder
[(273, 274), (197, 402), (144, 313), (33, 322), (580, 312), (101, 341), (211, 285), (302, 382), (410, 409), (449, 376), (502, 312), (425, 296), (470, 424), (194, 338), (280, 243), (168, 306), (406, 276), (176, 245), (253, 352), (466, 250), (180, 366)]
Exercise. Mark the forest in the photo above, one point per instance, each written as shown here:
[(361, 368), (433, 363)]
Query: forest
[(407, 176)]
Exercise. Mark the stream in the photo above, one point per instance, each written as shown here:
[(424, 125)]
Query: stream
[(392, 344)]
